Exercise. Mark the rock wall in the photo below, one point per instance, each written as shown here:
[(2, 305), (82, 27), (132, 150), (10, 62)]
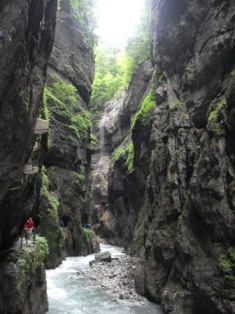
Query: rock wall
[(26, 40), (179, 195), (118, 217), (68, 90), (23, 281)]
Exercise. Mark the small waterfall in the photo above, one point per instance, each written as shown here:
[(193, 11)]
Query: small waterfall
[(99, 207), (99, 187)]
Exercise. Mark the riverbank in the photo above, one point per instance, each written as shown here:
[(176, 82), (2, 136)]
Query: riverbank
[(115, 277)]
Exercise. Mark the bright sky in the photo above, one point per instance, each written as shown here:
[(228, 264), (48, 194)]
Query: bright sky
[(117, 20)]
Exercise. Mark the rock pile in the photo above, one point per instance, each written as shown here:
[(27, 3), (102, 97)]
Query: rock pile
[(116, 277)]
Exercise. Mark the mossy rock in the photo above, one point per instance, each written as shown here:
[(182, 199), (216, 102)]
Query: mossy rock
[(214, 117), (145, 110)]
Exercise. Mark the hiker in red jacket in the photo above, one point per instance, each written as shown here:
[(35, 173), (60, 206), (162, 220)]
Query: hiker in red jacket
[(28, 227)]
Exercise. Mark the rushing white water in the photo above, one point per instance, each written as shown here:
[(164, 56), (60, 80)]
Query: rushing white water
[(69, 294)]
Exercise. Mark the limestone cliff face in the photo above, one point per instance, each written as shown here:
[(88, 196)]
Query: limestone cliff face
[(68, 90), (26, 40), (23, 281), (180, 194)]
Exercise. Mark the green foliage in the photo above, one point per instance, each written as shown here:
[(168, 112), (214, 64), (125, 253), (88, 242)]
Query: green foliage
[(63, 97), (119, 152), (176, 104), (84, 12), (79, 178), (113, 73), (126, 64), (65, 92), (139, 45), (43, 247), (130, 157), (54, 203), (74, 4), (213, 117), (45, 181), (49, 97), (50, 218), (45, 110), (122, 151), (22, 264), (31, 257), (146, 107), (94, 139), (114, 68), (82, 123), (87, 235)]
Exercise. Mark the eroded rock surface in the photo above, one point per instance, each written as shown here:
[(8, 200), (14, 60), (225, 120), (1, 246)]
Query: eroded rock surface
[(27, 33), (177, 206), (26, 40), (68, 90), (23, 281)]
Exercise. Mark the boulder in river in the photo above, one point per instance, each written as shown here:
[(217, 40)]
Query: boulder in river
[(103, 257)]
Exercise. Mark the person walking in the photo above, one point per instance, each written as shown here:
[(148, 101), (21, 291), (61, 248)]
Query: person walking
[(28, 229)]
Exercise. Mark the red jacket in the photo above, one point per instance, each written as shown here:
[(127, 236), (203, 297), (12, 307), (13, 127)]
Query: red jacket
[(29, 224)]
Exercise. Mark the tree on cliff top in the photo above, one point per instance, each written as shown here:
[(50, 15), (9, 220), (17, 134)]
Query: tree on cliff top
[(114, 68)]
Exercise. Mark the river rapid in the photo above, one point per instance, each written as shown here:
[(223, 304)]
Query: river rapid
[(69, 293)]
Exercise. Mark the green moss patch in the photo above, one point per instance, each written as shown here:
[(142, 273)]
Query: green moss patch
[(213, 117), (79, 177), (145, 110), (87, 235), (30, 259), (119, 152), (126, 152), (43, 247), (176, 104), (63, 100), (50, 220), (130, 157)]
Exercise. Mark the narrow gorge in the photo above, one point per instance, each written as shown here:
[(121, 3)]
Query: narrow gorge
[(150, 169)]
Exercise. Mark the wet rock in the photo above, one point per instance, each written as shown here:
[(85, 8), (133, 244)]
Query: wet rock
[(103, 257)]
